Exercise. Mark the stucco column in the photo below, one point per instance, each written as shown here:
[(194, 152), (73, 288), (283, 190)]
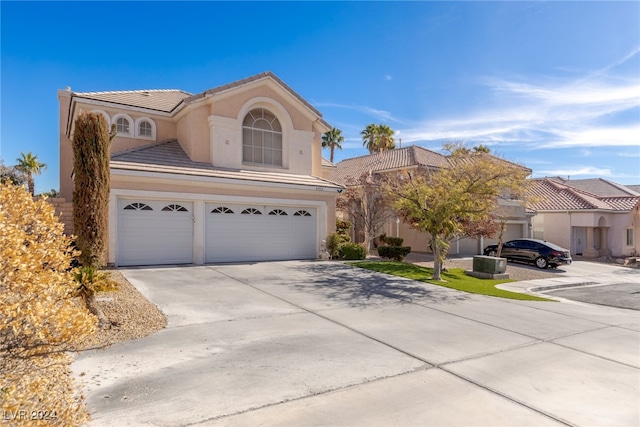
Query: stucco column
[(590, 251), (604, 249)]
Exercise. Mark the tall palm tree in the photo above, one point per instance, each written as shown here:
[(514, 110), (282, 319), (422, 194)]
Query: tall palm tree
[(385, 138), (332, 139), (369, 137), (29, 165), (378, 138)]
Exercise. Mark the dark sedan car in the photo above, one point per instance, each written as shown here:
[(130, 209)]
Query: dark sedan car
[(539, 252)]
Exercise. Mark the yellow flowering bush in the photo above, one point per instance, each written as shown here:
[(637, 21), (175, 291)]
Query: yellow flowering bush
[(40, 317)]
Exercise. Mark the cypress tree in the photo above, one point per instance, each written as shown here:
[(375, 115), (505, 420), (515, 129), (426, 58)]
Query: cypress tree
[(91, 178)]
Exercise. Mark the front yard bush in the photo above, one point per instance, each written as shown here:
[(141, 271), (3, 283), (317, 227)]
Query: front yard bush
[(40, 319), (394, 252), (351, 251)]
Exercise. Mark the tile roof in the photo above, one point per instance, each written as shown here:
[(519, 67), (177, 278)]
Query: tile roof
[(167, 100), (598, 186), (327, 163), (266, 74), (169, 157), (412, 156), (635, 188), (551, 195), (159, 100)]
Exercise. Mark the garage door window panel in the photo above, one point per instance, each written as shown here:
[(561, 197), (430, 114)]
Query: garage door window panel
[(138, 207), (174, 208)]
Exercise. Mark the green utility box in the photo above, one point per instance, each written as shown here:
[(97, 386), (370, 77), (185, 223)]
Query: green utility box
[(489, 264)]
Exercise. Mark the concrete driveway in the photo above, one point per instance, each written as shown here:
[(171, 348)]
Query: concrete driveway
[(323, 344)]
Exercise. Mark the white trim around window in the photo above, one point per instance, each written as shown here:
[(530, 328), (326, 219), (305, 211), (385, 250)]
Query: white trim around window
[(130, 130), (629, 237), (148, 130)]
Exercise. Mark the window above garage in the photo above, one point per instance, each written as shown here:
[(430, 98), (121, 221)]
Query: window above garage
[(261, 138)]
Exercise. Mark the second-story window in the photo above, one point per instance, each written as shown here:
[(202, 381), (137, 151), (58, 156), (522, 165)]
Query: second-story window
[(145, 129), (261, 138), (123, 125)]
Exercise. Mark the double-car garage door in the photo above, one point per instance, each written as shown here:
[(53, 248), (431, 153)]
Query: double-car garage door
[(162, 232)]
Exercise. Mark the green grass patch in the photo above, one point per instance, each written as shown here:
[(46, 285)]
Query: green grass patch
[(454, 278)]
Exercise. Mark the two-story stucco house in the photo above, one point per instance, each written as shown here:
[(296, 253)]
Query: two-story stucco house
[(230, 174)]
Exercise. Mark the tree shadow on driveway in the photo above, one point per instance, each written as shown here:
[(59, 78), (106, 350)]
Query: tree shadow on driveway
[(363, 288)]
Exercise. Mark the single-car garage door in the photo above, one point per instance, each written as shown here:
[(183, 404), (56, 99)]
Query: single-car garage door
[(259, 233), (155, 232)]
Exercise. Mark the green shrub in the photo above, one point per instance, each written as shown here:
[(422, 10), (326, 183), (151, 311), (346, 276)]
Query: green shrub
[(393, 241), (394, 252), (334, 240), (343, 226), (351, 251)]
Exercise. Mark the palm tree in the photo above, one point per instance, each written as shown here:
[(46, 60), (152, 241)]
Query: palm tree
[(385, 138), (378, 138), (29, 165), (369, 138), (332, 140)]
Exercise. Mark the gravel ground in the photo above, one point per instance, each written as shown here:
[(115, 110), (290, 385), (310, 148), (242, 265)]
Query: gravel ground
[(131, 315)]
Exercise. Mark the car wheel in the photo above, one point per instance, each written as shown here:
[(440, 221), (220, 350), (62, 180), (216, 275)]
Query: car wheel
[(541, 262), (492, 253)]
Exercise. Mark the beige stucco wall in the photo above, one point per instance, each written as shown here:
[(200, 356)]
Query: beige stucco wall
[(301, 150), (557, 227), (66, 150), (193, 133)]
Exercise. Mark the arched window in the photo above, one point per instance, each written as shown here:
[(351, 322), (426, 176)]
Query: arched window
[(261, 138), (145, 128), (124, 124)]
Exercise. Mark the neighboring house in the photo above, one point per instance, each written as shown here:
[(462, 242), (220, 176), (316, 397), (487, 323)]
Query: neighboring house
[(230, 174), (348, 171), (591, 217)]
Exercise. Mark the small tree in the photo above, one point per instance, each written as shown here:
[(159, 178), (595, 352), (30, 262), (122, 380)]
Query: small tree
[(441, 203), (11, 175), (91, 178), (367, 205), (39, 317)]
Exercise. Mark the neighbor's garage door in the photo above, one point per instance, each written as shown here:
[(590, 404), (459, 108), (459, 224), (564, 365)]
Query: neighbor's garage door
[(259, 233), (155, 232)]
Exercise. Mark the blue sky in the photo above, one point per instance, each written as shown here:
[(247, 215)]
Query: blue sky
[(552, 85)]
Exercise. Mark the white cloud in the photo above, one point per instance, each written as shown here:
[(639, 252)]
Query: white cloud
[(387, 77), (377, 114), (586, 112), (575, 171)]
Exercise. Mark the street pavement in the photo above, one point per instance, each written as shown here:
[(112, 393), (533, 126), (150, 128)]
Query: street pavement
[(309, 343), (588, 282)]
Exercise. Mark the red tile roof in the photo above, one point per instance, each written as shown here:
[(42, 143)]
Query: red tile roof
[(412, 156), (550, 195)]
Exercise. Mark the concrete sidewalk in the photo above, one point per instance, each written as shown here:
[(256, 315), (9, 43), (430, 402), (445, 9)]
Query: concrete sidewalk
[(324, 344)]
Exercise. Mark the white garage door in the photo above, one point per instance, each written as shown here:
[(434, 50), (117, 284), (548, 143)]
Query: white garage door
[(259, 233), (155, 232)]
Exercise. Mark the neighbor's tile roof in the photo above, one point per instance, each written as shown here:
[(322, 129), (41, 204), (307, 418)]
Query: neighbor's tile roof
[(351, 169), (327, 163), (635, 188), (169, 157), (598, 186), (159, 100), (551, 195)]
